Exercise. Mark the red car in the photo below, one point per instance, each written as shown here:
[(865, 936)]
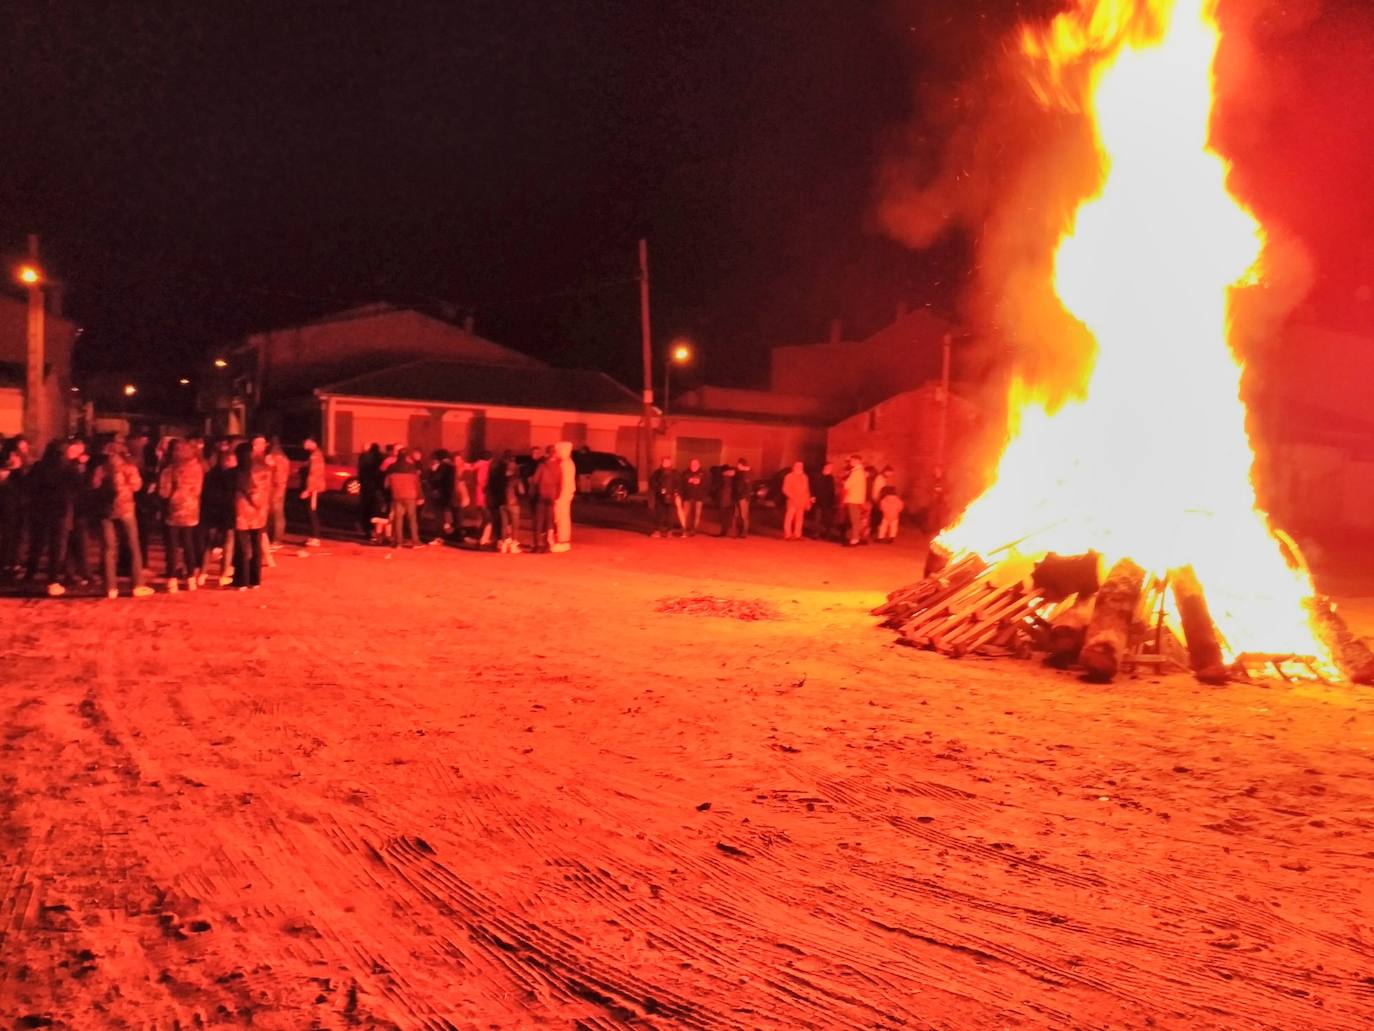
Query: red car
[(339, 475)]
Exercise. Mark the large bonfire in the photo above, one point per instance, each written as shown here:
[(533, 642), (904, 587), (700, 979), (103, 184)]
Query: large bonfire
[(1147, 462)]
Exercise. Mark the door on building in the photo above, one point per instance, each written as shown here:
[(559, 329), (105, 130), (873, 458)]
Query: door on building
[(575, 433), (508, 434), (705, 449), (423, 432)]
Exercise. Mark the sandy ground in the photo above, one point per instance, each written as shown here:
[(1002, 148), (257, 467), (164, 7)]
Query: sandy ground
[(443, 789)]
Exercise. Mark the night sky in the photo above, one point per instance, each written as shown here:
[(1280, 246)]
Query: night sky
[(198, 170)]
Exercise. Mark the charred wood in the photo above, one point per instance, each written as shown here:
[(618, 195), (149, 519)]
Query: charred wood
[(1058, 576), (1068, 631), (1199, 632), (1109, 632), (1352, 655)]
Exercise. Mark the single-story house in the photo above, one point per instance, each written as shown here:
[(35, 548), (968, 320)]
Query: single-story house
[(470, 407)]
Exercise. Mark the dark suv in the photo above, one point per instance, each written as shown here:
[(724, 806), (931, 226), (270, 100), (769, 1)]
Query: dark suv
[(604, 475)]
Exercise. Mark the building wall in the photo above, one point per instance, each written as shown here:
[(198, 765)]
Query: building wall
[(904, 432), (295, 360), (353, 424), (850, 375), (59, 338)]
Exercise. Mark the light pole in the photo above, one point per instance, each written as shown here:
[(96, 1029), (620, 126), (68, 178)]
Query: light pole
[(35, 400), (680, 353)]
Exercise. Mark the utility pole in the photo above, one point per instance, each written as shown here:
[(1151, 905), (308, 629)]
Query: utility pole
[(942, 434), (35, 400), (646, 428)]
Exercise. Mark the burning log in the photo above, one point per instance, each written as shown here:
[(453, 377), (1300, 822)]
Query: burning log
[(1058, 576), (1068, 631), (1199, 632), (1352, 655), (1109, 632)]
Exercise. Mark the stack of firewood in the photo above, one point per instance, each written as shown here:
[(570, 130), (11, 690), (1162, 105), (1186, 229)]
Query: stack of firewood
[(1062, 607)]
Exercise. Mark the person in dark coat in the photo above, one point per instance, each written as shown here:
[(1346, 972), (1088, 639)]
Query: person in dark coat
[(57, 487), (11, 518), (512, 488), (217, 511), (369, 488), (823, 490), (743, 494), (663, 494), (725, 498), (548, 484), (694, 486), (252, 506)]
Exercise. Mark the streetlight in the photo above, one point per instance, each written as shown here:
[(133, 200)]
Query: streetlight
[(30, 275), (679, 353), (130, 390), (184, 381), (220, 363)]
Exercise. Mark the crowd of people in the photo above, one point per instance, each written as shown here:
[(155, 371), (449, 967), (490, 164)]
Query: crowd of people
[(856, 505), (478, 502), (219, 507), (222, 501)]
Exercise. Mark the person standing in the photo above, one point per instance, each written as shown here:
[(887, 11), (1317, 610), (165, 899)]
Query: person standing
[(725, 499), (281, 483), (57, 489), (743, 493), (180, 485), (313, 489), (369, 489), (695, 487), (217, 512), (115, 486), (663, 492), (855, 496), (823, 504), (403, 486), (562, 505), (796, 493), (890, 505), (548, 484), (512, 490), (252, 505), (879, 482)]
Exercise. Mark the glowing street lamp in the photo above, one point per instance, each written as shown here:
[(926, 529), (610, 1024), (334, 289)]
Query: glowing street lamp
[(30, 275), (679, 353), (130, 390), (220, 363), (184, 381)]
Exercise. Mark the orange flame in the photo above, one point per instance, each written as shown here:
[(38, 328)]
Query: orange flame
[(1151, 459)]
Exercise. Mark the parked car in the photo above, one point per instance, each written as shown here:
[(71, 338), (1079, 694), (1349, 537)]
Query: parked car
[(340, 474)]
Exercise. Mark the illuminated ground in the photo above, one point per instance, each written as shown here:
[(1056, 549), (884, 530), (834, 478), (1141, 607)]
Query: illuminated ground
[(445, 789)]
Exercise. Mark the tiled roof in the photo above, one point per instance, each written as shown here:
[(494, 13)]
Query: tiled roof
[(467, 383)]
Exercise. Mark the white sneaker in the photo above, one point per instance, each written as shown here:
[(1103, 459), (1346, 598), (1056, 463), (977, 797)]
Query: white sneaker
[(561, 547), (56, 590), (226, 579), (200, 580), (313, 542), (191, 583), (173, 586), (112, 593), (141, 592), (515, 548)]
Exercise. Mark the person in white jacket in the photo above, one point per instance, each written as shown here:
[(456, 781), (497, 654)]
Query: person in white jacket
[(855, 497), (562, 504)]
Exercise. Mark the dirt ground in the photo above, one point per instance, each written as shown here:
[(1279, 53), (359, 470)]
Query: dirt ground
[(668, 783)]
